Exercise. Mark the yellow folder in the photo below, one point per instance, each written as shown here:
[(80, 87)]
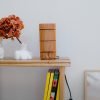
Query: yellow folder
[(50, 85), (47, 85)]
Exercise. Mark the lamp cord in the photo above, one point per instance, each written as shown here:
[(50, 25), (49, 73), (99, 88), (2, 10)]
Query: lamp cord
[(68, 88)]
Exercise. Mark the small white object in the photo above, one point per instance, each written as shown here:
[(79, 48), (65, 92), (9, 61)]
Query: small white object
[(23, 53), (1, 52)]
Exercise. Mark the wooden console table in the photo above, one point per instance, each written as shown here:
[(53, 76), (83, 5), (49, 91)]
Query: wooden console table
[(61, 63)]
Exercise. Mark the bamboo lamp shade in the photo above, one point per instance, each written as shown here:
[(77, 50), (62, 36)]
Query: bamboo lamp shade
[(47, 41)]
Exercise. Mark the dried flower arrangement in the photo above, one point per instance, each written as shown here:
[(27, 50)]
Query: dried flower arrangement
[(11, 27)]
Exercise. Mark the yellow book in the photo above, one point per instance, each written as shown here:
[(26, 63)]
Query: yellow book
[(58, 92), (50, 85), (47, 85)]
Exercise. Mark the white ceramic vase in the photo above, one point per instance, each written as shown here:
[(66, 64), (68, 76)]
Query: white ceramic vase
[(1, 49), (23, 53)]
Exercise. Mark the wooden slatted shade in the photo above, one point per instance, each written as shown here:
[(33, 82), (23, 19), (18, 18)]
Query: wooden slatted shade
[(47, 41)]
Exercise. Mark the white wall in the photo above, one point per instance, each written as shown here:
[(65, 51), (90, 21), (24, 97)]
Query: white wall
[(78, 31)]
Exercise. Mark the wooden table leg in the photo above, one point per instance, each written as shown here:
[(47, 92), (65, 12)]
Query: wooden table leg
[(62, 79)]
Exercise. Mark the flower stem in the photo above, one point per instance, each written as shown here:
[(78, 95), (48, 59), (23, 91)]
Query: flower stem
[(19, 40)]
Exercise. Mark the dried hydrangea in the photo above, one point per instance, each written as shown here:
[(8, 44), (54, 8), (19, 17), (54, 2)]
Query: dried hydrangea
[(11, 27)]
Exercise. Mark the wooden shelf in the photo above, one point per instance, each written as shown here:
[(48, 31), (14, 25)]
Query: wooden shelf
[(35, 63), (61, 63)]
